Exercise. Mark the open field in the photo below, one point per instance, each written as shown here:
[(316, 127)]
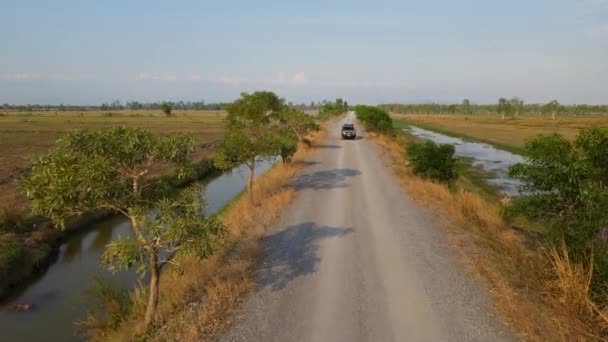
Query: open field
[(510, 133), (24, 135)]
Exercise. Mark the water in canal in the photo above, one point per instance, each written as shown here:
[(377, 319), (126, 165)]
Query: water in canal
[(491, 159), (58, 294)]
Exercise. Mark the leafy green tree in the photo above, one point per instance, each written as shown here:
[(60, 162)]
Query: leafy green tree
[(433, 161), (374, 118), (296, 122), (553, 108), (166, 108), (251, 133), (329, 109), (565, 184), (516, 106), (504, 107), (106, 169), (466, 107)]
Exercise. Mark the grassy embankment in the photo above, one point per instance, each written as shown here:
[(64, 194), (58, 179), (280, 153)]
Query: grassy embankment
[(539, 292), (197, 304), (25, 135)]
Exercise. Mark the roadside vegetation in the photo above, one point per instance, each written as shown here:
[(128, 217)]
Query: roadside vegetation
[(375, 119), (204, 292), (548, 287), (332, 109), (107, 169), (260, 126)]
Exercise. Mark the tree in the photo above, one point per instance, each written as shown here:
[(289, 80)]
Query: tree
[(516, 106), (433, 161), (250, 134), (504, 107), (297, 122), (565, 185), (106, 169), (166, 108), (553, 108), (374, 118), (466, 107)]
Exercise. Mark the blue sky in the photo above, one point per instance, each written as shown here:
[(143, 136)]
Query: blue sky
[(88, 52)]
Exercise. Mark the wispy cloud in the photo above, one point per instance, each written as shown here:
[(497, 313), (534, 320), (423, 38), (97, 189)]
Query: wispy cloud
[(20, 76), (295, 79), (156, 76)]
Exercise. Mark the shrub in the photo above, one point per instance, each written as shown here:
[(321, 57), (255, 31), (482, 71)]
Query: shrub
[(166, 108), (433, 161), (330, 109), (12, 252), (12, 215), (566, 185), (374, 118)]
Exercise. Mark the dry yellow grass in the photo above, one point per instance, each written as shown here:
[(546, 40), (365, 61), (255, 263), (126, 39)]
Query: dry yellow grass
[(533, 290), (24, 136), (197, 305), (512, 132)]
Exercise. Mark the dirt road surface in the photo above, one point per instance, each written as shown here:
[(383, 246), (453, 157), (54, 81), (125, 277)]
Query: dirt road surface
[(354, 259)]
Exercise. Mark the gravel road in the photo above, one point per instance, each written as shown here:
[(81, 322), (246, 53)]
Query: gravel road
[(355, 259)]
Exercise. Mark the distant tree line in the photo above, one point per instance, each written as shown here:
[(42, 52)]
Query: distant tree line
[(136, 105), (505, 107)]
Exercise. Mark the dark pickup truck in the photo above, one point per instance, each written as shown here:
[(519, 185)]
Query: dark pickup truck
[(348, 131)]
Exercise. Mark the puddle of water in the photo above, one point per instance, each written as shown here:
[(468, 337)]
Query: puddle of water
[(491, 159), (57, 295)]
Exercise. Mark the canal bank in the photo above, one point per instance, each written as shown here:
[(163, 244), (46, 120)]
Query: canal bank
[(57, 294)]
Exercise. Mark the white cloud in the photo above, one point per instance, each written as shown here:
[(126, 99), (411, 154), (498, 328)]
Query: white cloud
[(299, 78), (156, 76), (19, 76), (232, 80), (295, 79)]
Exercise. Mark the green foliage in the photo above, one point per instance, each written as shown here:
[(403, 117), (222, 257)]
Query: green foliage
[(178, 226), (107, 306), (466, 107), (553, 108), (292, 126), (565, 184), (106, 169), (329, 109), (252, 132), (486, 109), (93, 169), (434, 161), (166, 108), (12, 252), (296, 122), (374, 118), (249, 134)]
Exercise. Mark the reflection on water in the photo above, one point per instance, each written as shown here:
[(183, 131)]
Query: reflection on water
[(489, 158), (58, 294)]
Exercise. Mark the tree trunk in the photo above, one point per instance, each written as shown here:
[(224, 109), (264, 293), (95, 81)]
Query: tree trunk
[(553, 115), (503, 116), (153, 296), (251, 174)]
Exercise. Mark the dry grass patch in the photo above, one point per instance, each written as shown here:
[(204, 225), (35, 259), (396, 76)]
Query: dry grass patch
[(511, 132), (197, 305), (542, 294)]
